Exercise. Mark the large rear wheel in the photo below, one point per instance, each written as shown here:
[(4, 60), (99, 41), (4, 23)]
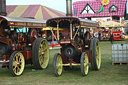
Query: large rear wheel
[(84, 64), (96, 55), (57, 64), (40, 51), (90, 53), (16, 63)]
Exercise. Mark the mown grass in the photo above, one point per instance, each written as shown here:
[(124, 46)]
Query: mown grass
[(108, 74)]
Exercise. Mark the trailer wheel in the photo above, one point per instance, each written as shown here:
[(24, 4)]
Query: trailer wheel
[(16, 63), (40, 52), (57, 64), (96, 55), (84, 64)]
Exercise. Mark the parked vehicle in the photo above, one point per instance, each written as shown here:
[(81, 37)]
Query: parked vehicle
[(77, 47), (21, 43)]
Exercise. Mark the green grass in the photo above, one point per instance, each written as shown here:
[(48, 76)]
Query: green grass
[(108, 74)]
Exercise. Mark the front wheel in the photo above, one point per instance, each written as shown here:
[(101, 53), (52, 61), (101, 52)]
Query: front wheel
[(84, 64), (16, 63), (57, 64)]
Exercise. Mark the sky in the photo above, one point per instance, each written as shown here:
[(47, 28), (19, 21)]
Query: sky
[(59, 5)]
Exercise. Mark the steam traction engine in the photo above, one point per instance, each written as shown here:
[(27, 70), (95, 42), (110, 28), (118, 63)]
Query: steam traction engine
[(21, 43), (77, 48)]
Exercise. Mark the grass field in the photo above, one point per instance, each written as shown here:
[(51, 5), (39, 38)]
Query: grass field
[(108, 74)]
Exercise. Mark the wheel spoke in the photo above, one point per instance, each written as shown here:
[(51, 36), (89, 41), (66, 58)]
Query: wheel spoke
[(14, 63), (41, 56), (44, 49), (58, 63), (18, 68), (17, 58), (20, 61), (44, 44), (14, 68), (42, 61), (85, 64), (41, 45), (40, 50), (57, 66)]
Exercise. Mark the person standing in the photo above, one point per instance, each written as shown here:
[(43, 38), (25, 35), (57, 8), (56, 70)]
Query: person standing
[(99, 36), (111, 38)]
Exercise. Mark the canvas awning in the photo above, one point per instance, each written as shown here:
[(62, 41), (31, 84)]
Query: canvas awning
[(110, 24), (23, 22)]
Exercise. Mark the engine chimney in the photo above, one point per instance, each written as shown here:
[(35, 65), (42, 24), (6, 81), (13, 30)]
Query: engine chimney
[(3, 7), (69, 7)]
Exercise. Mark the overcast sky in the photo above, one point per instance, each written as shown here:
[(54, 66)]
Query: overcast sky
[(59, 5)]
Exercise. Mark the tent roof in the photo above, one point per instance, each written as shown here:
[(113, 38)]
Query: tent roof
[(32, 11), (110, 24)]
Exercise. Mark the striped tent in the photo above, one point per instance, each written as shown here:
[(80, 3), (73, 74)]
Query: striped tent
[(32, 11)]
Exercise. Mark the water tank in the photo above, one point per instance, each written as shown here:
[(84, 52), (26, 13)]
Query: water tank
[(120, 53)]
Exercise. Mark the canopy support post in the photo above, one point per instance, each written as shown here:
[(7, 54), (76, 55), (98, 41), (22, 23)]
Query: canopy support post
[(58, 31), (76, 33), (71, 31)]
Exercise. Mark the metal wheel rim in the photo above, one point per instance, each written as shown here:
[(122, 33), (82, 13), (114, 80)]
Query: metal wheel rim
[(18, 63), (43, 53), (86, 66), (98, 54), (59, 66)]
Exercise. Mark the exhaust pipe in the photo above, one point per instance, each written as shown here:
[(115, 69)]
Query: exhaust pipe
[(3, 7), (69, 7), (3, 25)]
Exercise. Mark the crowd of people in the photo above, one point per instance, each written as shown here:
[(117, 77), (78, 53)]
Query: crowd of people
[(99, 36)]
